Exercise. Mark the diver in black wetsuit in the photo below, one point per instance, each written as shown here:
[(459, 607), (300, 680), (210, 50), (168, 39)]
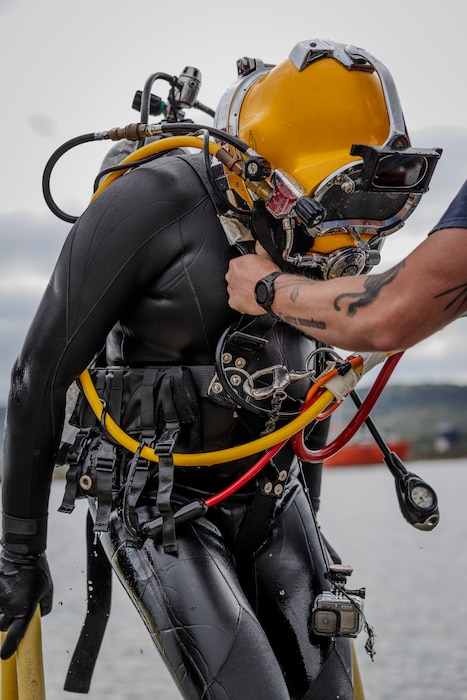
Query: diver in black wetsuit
[(139, 291)]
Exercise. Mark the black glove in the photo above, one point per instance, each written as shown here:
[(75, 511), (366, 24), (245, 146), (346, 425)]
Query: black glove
[(25, 582)]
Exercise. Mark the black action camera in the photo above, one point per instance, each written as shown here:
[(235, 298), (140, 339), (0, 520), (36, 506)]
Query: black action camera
[(337, 616), (338, 612)]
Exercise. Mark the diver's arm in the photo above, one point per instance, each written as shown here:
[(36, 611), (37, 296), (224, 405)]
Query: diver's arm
[(389, 311), (110, 256), (107, 260)]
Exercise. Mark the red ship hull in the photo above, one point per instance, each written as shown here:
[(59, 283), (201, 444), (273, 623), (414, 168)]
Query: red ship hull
[(355, 454)]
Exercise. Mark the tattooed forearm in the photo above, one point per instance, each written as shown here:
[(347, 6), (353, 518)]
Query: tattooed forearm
[(304, 322), (373, 285), (295, 284), (293, 296), (459, 299)]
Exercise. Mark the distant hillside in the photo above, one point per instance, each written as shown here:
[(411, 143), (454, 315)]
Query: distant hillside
[(427, 414), (430, 415)]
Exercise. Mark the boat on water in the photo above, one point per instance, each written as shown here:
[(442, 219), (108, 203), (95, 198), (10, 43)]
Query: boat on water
[(366, 453)]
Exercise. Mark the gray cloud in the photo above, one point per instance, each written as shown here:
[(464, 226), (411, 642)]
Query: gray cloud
[(7, 5)]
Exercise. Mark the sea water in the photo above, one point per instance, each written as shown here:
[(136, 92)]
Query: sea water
[(416, 589)]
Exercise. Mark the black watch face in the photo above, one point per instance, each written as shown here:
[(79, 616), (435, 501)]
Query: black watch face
[(261, 293)]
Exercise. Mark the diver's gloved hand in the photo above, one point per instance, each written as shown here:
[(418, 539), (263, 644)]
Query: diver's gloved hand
[(25, 582)]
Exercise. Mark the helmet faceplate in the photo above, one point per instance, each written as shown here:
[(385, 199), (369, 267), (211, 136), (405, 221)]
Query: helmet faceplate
[(315, 118)]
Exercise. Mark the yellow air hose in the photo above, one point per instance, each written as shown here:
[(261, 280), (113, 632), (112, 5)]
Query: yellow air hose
[(205, 459), (23, 673), (318, 405), (150, 149)]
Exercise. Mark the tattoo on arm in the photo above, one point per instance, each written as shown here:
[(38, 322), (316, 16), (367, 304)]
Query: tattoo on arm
[(459, 300), (295, 320), (373, 285), (304, 322), (295, 284)]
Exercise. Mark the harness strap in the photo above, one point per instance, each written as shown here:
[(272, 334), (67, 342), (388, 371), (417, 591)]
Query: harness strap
[(134, 485), (99, 582), (198, 164), (74, 458), (106, 459), (139, 468), (116, 392), (164, 449), (256, 524)]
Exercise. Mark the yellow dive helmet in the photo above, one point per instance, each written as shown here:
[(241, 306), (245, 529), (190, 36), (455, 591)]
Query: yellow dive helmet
[(330, 127)]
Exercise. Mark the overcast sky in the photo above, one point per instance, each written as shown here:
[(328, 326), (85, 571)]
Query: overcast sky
[(70, 68)]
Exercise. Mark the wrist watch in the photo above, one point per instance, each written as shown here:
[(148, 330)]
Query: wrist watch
[(264, 290)]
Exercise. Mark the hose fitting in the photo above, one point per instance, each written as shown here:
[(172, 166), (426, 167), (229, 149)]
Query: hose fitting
[(235, 165), (132, 132)]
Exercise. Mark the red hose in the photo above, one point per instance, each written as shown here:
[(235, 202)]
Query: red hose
[(249, 474), (298, 441)]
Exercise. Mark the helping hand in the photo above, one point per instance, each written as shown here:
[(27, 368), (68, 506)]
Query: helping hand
[(243, 274), (25, 582)]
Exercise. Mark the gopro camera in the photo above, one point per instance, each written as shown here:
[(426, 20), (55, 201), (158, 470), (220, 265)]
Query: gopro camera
[(338, 612), (334, 615)]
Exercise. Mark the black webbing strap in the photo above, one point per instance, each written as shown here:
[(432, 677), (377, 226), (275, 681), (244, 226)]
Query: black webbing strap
[(256, 524), (138, 473), (164, 449), (116, 393), (198, 164), (74, 459), (106, 458), (134, 484), (99, 583)]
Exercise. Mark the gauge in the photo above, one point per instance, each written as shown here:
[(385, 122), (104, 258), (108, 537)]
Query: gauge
[(418, 501), (422, 496)]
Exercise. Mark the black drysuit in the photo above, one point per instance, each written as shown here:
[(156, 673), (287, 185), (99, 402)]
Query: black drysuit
[(142, 274)]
